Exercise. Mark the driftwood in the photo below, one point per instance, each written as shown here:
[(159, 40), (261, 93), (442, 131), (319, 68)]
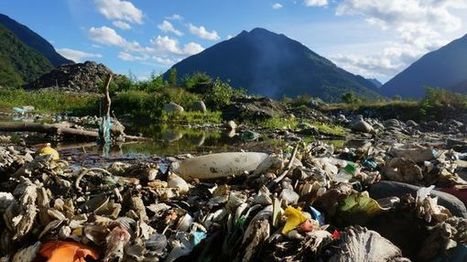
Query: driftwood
[(57, 129)]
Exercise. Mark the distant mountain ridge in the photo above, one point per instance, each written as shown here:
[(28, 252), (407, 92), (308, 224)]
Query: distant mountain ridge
[(19, 63), (444, 68), (274, 65), (33, 40)]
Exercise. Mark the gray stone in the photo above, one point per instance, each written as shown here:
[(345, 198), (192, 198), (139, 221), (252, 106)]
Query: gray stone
[(86, 77), (361, 125), (392, 122), (231, 125), (411, 123), (385, 189), (199, 106), (173, 108)]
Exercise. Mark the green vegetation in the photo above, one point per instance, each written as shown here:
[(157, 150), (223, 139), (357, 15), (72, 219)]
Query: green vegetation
[(437, 104), (19, 63), (351, 98), (135, 99), (329, 129), (278, 123), (440, 103), (50, 101)]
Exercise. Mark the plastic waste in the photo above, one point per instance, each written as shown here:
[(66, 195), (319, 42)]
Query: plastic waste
[(295, 217), (66, 251), (316, 215), (219, 165), (358, 208), (370, 164), (48, 150), (198, 236), (23, 110), (346, 173)]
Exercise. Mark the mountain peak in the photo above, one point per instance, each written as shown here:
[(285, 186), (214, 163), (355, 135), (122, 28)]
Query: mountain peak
[(271, 64), (443, 68)]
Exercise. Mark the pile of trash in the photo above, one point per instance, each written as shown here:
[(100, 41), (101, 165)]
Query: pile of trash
[(308, 203)]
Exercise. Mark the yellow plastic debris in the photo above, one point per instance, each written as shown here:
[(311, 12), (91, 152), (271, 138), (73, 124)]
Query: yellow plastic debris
[(294, 218), (48, 150)]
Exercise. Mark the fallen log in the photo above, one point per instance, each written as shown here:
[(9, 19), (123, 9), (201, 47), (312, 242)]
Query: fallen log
[(57, 129)]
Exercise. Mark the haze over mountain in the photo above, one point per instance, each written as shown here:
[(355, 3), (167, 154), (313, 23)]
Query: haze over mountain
[(444, 68), (274, 65), (33, 40)]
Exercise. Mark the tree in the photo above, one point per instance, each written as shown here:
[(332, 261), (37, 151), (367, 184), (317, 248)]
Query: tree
[(350, 98), (172, 77)]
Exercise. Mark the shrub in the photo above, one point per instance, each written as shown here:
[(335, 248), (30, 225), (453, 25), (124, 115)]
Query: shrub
[(197, 81), (441, 103), (350, 98), (221, 94)]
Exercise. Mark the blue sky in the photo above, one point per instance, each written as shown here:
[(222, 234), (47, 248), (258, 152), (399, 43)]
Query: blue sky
[(374, 38)]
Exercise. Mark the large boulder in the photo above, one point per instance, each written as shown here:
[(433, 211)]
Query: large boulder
[(85, 77), (199, 106), (360, 125), (173, 108)]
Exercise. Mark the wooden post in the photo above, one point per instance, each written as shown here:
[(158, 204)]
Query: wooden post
[(107, 101)]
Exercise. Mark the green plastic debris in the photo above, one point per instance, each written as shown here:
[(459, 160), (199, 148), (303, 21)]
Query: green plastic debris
[(358, 208), (350, 168)]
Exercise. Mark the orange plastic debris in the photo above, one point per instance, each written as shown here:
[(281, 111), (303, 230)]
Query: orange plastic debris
[(66, 251)]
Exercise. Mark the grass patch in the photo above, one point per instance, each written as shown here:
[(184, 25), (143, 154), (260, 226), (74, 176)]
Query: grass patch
[(330, 129), (278, 123), (50, 101)]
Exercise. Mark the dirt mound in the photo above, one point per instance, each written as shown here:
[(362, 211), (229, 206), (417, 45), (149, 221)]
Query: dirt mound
[(84, 77)]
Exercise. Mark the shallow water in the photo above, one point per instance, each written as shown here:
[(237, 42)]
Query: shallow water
[(166, 141)]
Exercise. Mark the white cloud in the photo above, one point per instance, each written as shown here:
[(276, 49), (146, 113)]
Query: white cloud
[(166, 26), (316, 2), (106, 36), (164, 61), (203, 33), (125, 56), (192, 48), (417, 27), (77, 55), (277, 6), (122, 25), (175, 17), (165, 45), (119, 10)]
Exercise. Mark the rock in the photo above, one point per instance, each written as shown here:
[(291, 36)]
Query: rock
[(385, 189), (199, 106), (82, 77), (392, 123), (254, 108), (361, 125), (172, 108), (411, 123), (231, 125), (249, 135)]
